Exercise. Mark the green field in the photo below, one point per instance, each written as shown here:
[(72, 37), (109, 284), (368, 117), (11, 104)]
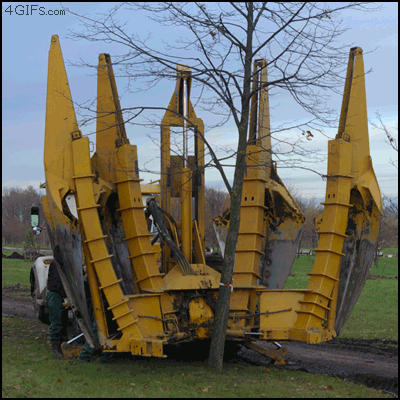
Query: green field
[(374, 316), (15, 272), (391, 251), (376, 313), (20, 245), (29, 369)]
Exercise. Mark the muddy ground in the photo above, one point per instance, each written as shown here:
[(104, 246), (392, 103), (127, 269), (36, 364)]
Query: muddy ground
[(373, 362)]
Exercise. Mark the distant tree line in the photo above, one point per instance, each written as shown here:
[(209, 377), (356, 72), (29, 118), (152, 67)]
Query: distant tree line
[(312, 209), (17, 202), (389, 228), (216, 201), (388, 233), (16, 206)]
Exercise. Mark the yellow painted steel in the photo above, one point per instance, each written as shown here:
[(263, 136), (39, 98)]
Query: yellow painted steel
[(146, 309), (204, 278), (152, 316), (277, 355), (116, 163), (100, 258), (60, 130), (74, 174), (354, 128), (261, 185), (199, 257), (365, 196), (253, 223), (349, 169), (141, 252), (70, 351), (61, 127), (174, 118), (110, 128), (98, 307), (316, 303), (150, 188), (265, 199), (200, 313), (186, 212), (69, 170), (309, 309), (148, 348)]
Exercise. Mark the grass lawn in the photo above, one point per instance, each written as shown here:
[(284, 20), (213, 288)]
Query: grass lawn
[(391, 250), (376, 313), (374, 316), (15, 272), (29, 370), (20, 245)]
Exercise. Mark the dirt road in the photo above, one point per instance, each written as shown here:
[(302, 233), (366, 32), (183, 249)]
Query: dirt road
[(371, 362)]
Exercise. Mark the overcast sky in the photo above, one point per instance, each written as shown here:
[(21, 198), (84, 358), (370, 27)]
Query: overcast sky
[(26, 39)]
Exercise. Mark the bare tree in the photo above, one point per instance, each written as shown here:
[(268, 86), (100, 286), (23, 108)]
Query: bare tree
[(220, 43), (16, 205), (389, 227), (390, 203), (216, 201), (391, 137), (392, 206), (312, 209)]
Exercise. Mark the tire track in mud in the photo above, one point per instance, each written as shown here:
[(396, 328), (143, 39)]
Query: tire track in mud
[(16, 300), (372, 362), (11, 306)]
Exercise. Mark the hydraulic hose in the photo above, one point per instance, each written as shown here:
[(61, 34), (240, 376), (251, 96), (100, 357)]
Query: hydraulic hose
[(155, 238), (156, 211), (169, 216)]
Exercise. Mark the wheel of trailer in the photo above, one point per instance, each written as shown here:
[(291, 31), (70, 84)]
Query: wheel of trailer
[(39, 311), (231, 349)]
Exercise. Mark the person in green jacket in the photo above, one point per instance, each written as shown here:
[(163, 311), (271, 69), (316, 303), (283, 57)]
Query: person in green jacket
[(57, 313)]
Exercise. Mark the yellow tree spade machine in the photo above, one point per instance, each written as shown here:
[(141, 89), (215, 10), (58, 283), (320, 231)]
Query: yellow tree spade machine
[(94, 210), (273, 241), (348, 155)]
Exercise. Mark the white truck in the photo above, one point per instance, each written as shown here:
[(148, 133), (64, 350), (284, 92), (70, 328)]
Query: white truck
[(38, 281)]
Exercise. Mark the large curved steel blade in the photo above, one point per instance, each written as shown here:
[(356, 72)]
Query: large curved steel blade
[(110, 135), (283, 236), (61, 129), (282, 240), (365, 197), (283, 216), (112, 227), (359, 247)]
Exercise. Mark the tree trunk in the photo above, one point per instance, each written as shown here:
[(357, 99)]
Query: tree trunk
[(216, 356), (222, 309)]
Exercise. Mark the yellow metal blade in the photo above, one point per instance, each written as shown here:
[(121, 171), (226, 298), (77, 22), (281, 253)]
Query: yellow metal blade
[(271, 221), (60, 131), (110, 128), (260, 126), (61, 126), (365, 197), (353, 125)]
